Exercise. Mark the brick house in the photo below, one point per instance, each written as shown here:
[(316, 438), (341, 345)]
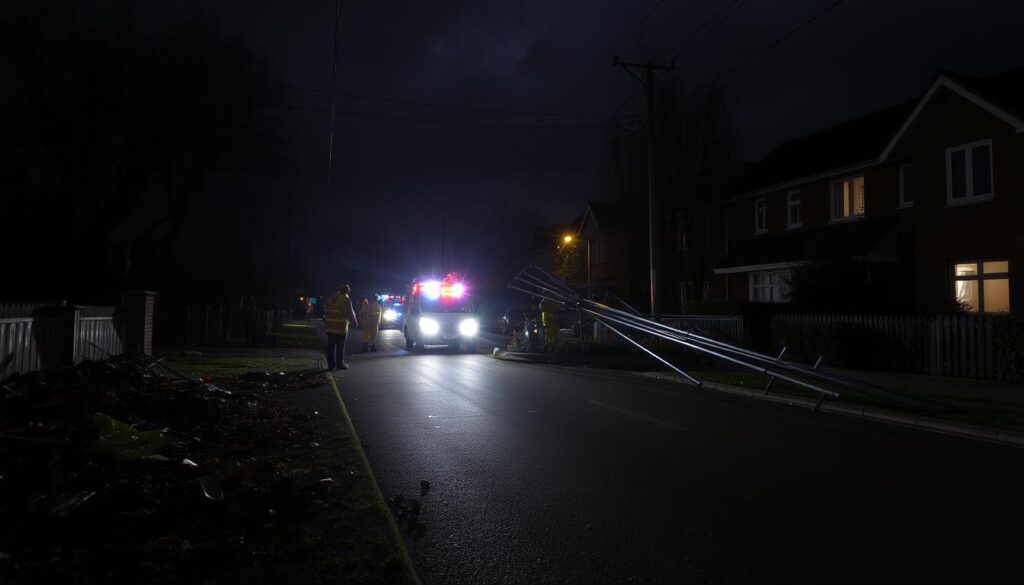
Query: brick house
[(927, 196), (617, 236)]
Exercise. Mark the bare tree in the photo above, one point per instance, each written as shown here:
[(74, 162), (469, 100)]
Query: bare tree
[(120, 131)]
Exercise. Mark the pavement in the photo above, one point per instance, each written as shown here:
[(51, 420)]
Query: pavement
[(544, 474)]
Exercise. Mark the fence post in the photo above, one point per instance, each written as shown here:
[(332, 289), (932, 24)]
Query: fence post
[(139, 308)]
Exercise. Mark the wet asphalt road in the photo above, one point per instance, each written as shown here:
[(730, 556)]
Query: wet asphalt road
[(542, 474)]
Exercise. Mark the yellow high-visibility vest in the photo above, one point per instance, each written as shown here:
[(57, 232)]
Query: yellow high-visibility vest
[(339, 309)]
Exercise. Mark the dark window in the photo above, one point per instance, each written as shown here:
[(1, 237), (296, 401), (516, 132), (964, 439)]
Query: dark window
[(969, 172), (958, 173), (981, 170)]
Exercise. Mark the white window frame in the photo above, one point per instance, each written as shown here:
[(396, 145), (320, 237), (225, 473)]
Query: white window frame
[(761, 215), (903, 182), (780, 291), (832, 199), (794, 199), (980, 276), (968, 149)]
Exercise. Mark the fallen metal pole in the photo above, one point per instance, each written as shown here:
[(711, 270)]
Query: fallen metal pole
[(523, 280), (693, 380), (530, 292), (557, 290), (730, 359), (555, 279)]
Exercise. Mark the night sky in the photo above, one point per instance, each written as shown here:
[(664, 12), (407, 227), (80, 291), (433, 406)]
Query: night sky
[(396, 179)]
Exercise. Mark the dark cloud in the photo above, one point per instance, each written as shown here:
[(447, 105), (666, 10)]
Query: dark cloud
[(395, 180)]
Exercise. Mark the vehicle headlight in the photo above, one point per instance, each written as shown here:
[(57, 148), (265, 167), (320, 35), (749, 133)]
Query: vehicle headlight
[(469, 327), (429, 326), (390, 315)]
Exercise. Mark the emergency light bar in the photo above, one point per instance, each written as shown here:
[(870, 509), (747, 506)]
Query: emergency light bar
[(435, 289)]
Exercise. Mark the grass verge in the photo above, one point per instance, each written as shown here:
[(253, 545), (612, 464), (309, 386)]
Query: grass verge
[(1007, 416), (221, 366), (383, 547), (298, 334)]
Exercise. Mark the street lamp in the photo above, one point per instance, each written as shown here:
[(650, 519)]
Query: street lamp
[(570, 238)]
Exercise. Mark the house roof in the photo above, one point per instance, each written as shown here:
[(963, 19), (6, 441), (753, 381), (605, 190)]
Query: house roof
[(847, 144), (1004, 90), (1001, 95), (715, 183), (869, 139), (854, 239), (608, 214)]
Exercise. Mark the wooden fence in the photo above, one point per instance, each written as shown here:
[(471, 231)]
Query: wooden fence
[(968, 346)]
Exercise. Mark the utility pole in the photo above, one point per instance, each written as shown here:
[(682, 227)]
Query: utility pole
[(334, 83), (444, 259), (645, 72)]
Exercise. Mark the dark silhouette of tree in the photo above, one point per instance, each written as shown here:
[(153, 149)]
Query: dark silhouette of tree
[(120, 133), (692, 136)]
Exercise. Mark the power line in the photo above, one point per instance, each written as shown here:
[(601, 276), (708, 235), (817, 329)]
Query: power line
[(704, 29), (453, 107), (562, 159), (432, 120), (604, 57), (778, 41)]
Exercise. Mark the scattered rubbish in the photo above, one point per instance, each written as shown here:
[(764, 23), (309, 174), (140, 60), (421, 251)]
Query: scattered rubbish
[(212, 488), (154, 468), (120, 441), (68, 504), (214, 389)]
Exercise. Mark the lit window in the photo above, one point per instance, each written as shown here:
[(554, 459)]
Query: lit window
[(848, 198), (793, 210), (969, 173), (760, 215), (982, 287), (770, 286), (906, 186)]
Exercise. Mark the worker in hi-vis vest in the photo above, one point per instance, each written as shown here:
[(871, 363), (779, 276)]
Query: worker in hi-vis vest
[(339, 315), (369, 315), (549, 316)]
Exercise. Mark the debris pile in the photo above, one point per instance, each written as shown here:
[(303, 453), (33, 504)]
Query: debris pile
[(125, 471)]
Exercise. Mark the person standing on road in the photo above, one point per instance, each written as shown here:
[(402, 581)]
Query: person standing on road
[(339, 315), (549, 316), (370, 316)]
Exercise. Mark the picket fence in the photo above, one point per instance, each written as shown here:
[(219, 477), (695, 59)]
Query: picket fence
[(728, 328), (944, 345)]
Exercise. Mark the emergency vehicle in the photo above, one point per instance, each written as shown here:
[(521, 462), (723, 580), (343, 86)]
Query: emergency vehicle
[(441, 312), (393, 316)]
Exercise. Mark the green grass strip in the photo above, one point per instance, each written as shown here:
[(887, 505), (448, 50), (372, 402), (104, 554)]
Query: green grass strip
[(396, 536)]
